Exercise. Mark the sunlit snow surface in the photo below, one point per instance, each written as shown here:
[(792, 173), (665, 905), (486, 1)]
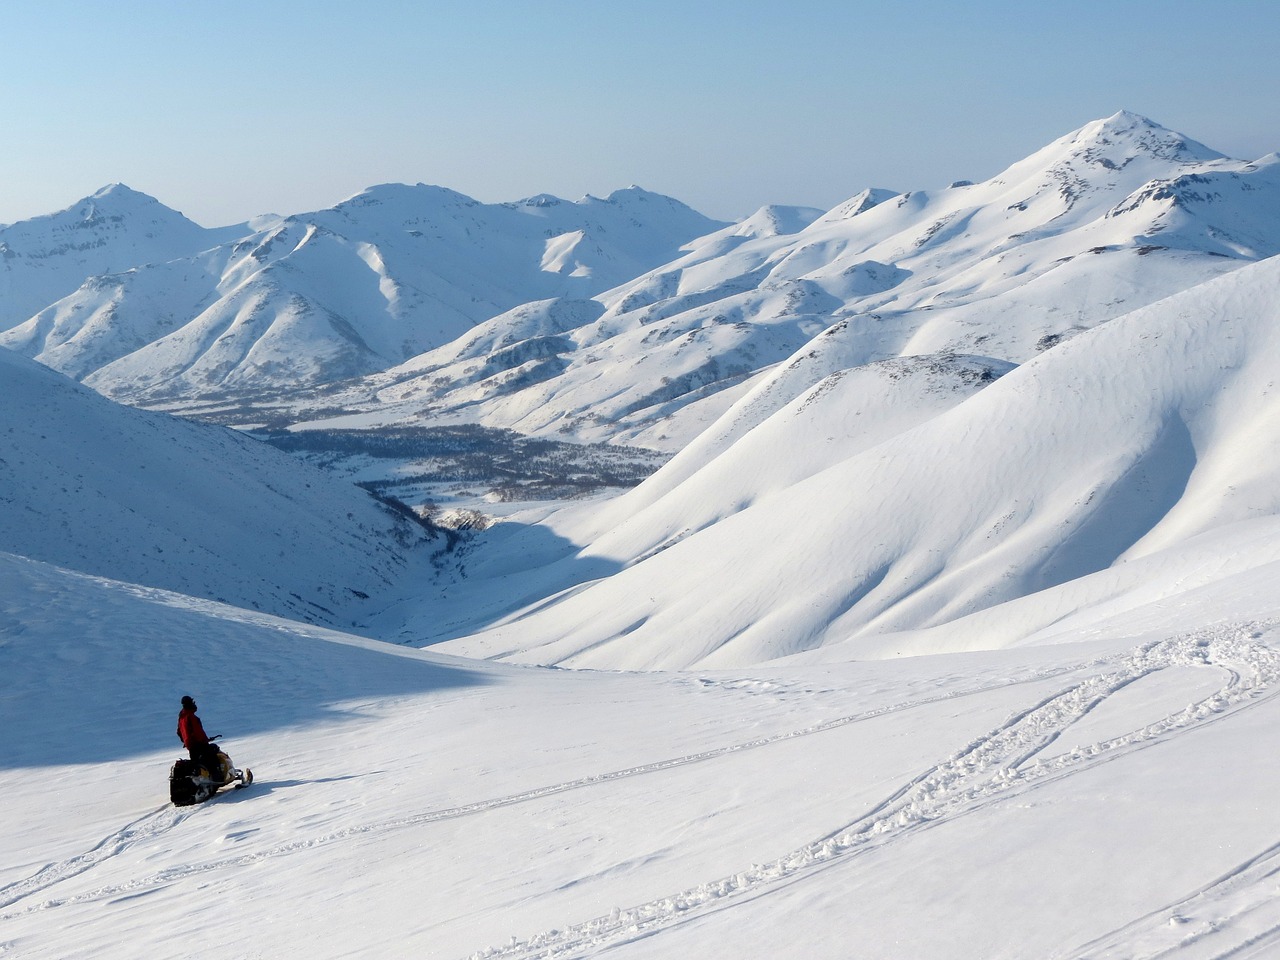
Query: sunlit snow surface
[(1107, 219), (1101, 799), (976, 661), (1092, 473)]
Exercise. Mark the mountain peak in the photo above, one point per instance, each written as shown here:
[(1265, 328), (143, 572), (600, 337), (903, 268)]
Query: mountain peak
[(860, 203), (1127, 120), (625, 196), (1126, 134), (539, 200), (415, 196), (117, 191), (634, 192), (119, 198), (116, 201), (108, 231), (776, 220), (641, 204), (1117, 153)]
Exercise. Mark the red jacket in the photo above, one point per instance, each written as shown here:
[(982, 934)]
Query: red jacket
[(191, 730)]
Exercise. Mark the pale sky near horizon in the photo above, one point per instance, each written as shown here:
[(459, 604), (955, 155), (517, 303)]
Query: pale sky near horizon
[(230, 110)]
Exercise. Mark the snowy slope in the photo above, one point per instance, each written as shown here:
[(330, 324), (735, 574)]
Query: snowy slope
[(834, 410), (47, 258), (105, 489), (1108, 218), (350, 290), (975, 807), (1067, 566), (111, 316), (1125, 442)]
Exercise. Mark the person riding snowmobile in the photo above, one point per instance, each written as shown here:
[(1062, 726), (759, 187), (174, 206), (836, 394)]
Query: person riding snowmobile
[(191, 733)]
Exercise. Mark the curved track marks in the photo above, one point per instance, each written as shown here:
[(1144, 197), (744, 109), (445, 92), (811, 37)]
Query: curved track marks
[(167, 817), (983, 771)]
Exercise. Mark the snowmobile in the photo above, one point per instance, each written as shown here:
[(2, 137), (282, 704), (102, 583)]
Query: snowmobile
[(194, 781)]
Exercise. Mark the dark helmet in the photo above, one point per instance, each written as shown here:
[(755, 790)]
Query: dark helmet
[(188, 703)]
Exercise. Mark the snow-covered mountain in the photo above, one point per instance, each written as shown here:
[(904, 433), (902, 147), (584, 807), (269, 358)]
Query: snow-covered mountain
[(1113, 216), (350, 290), (149, 499), (1036, 439), (893, 497), (634, 319), (47, 258)]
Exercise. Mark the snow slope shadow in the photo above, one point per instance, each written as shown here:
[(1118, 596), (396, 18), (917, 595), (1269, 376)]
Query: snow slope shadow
[(505, 572), (262, 787), (1143, 494), (94, 670)]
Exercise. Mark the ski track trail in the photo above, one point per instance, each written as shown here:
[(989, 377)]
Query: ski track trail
[(144, 828), (984, 771), (166, 817), (1235, 916)]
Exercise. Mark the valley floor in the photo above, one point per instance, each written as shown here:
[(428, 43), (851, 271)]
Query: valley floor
[(1108, 799)]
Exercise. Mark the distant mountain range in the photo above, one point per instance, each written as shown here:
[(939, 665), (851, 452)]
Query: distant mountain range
[(1115, 215), (887, 423), (626, 319), (142, 304)]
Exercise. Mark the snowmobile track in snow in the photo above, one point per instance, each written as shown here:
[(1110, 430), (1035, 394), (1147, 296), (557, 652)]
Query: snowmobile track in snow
[(984, 771), (1235, 915), (145, 827), (166, 817)]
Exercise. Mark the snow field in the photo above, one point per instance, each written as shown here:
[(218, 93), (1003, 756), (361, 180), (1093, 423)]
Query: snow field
[(1004, 760), (407, 803), (1116, 448)]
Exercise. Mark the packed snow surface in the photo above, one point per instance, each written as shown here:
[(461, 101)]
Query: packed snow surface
[(410, 804)]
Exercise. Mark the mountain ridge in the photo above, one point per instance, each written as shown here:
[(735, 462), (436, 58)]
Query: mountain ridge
[(1124, 446), (1119, 213), (334, 293)]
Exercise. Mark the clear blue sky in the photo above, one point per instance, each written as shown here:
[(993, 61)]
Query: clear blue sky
[(229, 109)]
